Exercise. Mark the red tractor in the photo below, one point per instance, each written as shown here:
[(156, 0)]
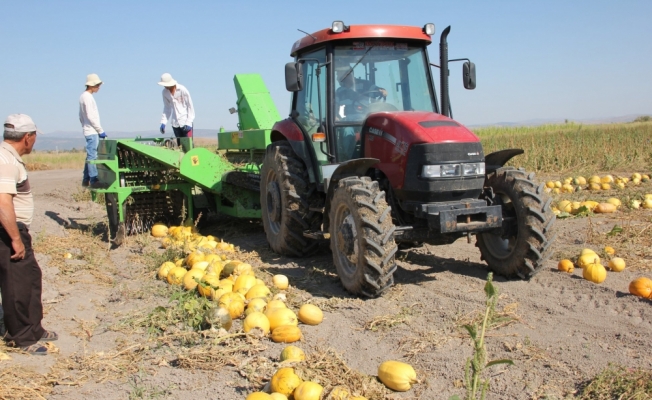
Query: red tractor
[(371, 160)]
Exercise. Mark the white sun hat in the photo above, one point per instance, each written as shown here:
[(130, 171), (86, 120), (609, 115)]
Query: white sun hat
[(167, 81), (93, 80)]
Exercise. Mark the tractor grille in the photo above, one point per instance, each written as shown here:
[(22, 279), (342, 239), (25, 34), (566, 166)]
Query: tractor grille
[(144, 209)]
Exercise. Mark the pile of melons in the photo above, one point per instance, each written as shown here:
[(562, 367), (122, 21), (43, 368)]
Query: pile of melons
[(595, 183), (591, 265), (234, 286), (594, 271)]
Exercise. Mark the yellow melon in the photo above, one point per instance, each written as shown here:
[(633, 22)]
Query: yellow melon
[(616, 264), (245, 282), (159, 230), (281, 282), (256, 320), (191, 278), (310, 314), (175, 275), (207, 283), (164, 269), (258, 291), (284, 381), (292, 353), (281, 316)]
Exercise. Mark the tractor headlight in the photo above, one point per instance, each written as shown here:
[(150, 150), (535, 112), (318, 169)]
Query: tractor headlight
[(473, 169), (452, 170), (431, 171)]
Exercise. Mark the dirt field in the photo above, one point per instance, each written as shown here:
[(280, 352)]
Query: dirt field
[(559, 330)]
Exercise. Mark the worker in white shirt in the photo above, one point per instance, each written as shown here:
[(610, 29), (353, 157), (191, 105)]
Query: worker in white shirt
[(90, 120), (177, 107)]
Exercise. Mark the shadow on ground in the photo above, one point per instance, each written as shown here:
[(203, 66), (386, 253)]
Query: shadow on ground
[(81, 224)]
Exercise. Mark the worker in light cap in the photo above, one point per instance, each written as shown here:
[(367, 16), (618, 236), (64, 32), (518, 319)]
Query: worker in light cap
[(89, 117), (177, 107)]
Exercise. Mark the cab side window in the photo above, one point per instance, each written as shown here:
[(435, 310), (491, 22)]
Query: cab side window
[(313, 93)]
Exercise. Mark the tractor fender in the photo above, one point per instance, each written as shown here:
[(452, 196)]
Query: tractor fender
[(288, 130), (497, 159), (357, 167)]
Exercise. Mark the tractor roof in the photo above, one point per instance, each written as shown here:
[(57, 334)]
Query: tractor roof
[(361, 32)]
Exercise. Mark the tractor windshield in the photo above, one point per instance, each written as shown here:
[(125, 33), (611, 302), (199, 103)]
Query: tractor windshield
[(373, 76), (380, 76)]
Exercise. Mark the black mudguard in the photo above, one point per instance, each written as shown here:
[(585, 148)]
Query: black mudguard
[(497, 159)]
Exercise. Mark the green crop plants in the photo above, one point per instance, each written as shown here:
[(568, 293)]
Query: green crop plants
[(475, 365)]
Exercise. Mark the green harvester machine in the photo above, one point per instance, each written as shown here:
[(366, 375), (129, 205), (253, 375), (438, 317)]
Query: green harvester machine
[(147, 180)]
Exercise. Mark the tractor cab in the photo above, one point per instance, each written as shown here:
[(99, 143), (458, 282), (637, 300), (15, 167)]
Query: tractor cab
[(343, 74)]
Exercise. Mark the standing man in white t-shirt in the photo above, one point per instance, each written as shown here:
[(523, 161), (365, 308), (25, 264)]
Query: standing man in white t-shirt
[(89, 117), (20, 275), (177, 107)]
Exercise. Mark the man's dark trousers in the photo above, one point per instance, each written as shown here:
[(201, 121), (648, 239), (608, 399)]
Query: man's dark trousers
[(21, 286)]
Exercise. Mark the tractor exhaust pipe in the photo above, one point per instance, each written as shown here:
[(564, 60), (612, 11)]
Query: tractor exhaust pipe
[(443, 72)]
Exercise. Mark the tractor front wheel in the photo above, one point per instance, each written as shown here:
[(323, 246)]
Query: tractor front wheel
[(285, 195), (362, 237), (520, 249)]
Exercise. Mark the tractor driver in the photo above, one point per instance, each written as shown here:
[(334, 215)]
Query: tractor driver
[(353, 94), (352, 98)]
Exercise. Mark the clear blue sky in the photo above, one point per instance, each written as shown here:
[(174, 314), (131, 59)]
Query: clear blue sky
[(535, 59)]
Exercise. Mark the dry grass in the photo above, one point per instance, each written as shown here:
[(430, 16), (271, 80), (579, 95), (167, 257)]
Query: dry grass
[(328, 368), (574, 147), (630, 234), (424, 342), (385, 322), (41, 160), (333, 304), (618, 383), (88, 253), (18, 383), (239, 350), (102, 366)]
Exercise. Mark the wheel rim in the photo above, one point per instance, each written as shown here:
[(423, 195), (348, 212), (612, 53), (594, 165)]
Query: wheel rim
[(501, 247), (346, 240), (273, 200)]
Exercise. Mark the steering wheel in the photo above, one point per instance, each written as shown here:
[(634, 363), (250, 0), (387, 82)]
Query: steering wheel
[(376, 94)]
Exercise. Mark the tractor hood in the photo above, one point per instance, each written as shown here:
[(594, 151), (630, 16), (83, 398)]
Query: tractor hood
[(404, 141), (416, 127)]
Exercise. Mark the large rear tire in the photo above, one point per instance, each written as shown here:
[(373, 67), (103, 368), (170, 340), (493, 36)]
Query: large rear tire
[(285, 196), (523, 246), (362, 237)]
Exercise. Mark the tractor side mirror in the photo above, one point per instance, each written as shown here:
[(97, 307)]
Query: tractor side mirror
[(468, 73), (293, 77)]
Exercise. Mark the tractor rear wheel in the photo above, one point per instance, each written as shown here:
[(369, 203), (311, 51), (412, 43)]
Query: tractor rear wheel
[(285, 195), (362, 236), (523, 245)]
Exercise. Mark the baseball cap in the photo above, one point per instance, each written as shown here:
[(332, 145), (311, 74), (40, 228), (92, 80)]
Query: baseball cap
[(21, 123)]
